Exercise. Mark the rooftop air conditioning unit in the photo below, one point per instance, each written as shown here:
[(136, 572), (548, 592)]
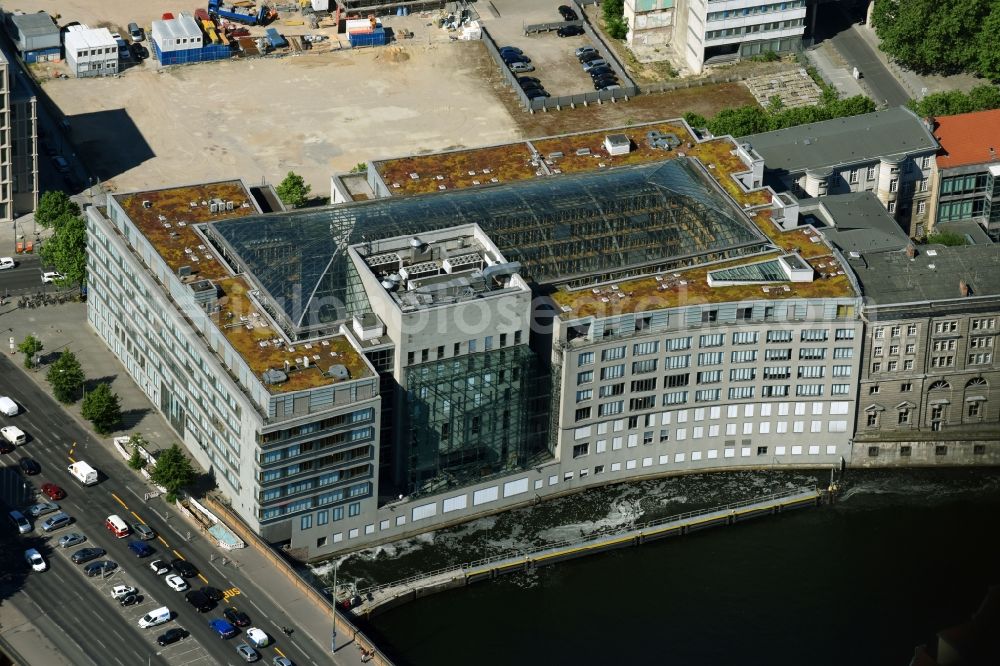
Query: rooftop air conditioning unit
[(147, 204)]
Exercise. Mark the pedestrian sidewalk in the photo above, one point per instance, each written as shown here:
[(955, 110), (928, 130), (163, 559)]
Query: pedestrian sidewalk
[(23, 641), (65, 327), (834, 70)]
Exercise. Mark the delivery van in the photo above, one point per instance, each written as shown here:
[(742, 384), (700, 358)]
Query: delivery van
[(14, 435), (8, 407), (154, 617)]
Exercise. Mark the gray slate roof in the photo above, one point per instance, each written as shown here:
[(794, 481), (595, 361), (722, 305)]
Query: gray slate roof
[(34, 25), (891, 277), (840, 141), (861, 223)]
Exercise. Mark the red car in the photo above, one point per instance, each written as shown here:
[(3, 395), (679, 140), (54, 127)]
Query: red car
[(53, 491)]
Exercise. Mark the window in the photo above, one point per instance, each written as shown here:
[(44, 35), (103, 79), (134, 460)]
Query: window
[(777, 354), (609, 408), (777, 372), (674, 381), (981, 324), (945, 345), (872, 390), (905, 387), (707, 395), (641, 385), (710, 358), (876, 367), (921, 205), (943, 362), (891, 206), (893, 350), (585, 394), (844, 334), (841, 371), (779, 336), (457, 349), (715, 340), (709, 316), (911, 348), (639, 404), (425, 355), (580, 450), (872, 419), (585, 358), (583, 413), (613, 354), (472, 346), (642, 367), (410, 358), (745, 338), (925, 162), (674, 362), (584, 377), (981, 342), (488, 343), (812, 353), (306, 522), (678, 344), (517, 337), (904, 416), (742, 374), (973, 409), (744, 356), (911, 329), (322, 517), (843, 352), (891, 366), (710, 377), (675, 397), (809, 389), (613, 371), (877, 350), (879, 333), (354, 509), (743, 314), (840, 389), (908, 365), (950, 326), (814, 335), (811, 371), (503, 339), (779, 391), (609, 390), (981, 358), (645, 348), (762, 450), (853, 178), (741, 392)]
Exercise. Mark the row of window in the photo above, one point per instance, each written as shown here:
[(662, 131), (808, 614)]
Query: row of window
[(751, 29), (756, 9), (945, 361), (472, 347)]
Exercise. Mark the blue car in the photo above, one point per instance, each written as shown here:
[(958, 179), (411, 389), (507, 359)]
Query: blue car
[(223, 628), (140, 548)]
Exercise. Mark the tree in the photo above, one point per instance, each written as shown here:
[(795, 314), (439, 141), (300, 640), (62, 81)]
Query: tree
[(66, 376), (695, 119), (953, 102), (30, 346), (67, 249), (54, 206), (103, 409), (989, 55), (136, 461), (293, 190), (614, 20), (949, 238), (173, 471), (740, 121)]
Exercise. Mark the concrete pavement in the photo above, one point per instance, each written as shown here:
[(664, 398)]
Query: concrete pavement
[(22, 639), (65, 327)]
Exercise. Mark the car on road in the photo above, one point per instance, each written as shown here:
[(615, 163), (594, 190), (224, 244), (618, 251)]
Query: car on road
[(7, 262), (236, 616), (199, 600), (100, 568), (223, 628), (258, 637), (130, 600), (120, 591), (42, 508), (53, 492), (282, 661), (61, 519), (48, 277), (176, 583), (567, 13), (159, 566), (20, 521), (71, 539), (171, 636), (86, 555), (213, 593), (521, 67), (570, 31), (144, 532), (140, 548), (247, 652), (184, 568), (6, 447), (35, 559), (29, 466)]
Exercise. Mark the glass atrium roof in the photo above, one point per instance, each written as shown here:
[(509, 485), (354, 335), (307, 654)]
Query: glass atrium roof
[(559, 228)]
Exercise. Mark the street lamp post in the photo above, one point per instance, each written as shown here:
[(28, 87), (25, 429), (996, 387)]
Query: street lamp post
[(333, 636)]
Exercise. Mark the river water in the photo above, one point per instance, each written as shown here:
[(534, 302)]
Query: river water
[(899, 557)]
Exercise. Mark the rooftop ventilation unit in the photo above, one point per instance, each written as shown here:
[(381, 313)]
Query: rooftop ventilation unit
[(147, 204), (338, 372), (271, 376)]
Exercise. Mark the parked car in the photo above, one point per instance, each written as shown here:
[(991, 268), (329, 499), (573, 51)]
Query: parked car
[(521, 67), (237, 617), (171, 636), (567, 13), (6, 447), (42, 508), (510, 48), (7, 262), (184, 568), (570, 31), (587, 56), (535, 93), (49, 277), (56, 521), (223, 628), (35, 559), (20, 521), (598, 72), (71, 539), (176, 583), (510, 57), (120, 591), (282, 661), (247, 652), (159, 567), (86, 555), (584, 50), (596, 62), (138, 51), (213, 593), (140, 548), (524, 80), (135, 32), (53, 491), (130, 600), (199, 600), (100, 568), (29, 466), (258, 637), (600, 84)]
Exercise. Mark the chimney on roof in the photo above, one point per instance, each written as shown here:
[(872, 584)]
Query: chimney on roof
[(911, 250), (963, 288), (930, 123), (993, 154)]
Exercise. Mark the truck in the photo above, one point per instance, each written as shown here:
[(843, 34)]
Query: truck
[(83, 473), (250, 15)]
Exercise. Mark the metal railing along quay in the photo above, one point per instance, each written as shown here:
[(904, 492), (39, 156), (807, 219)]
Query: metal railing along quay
[(390, 594)]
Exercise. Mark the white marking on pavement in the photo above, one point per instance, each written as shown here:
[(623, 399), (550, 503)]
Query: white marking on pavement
[(258, 608)]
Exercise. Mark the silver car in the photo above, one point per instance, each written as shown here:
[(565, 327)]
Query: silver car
[(521, 67), (60, 519), (42, 508), (71, 539)]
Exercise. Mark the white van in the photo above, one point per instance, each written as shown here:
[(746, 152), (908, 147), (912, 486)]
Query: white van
[(6, 262), (154, 617), (13, 434), (8, 407)]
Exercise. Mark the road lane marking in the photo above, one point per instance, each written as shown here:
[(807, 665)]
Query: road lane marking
[(178, 555), (203, 579), (280, 653), (138, 518), (165, 544), (119, 500), (231, 592), (71, 459)]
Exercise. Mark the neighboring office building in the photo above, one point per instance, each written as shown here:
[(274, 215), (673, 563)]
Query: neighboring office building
[(36, 36), (91, 51), (967, 182), (890, 153), (930, 377), (18, 143), (288, 430)]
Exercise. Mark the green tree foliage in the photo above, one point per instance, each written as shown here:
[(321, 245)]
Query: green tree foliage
[(744, 120), (953, 102), (103, 409), (949, 238), (293, 190), (66, 377), (988, 49), (944, 36), (173, 471), (29, 347), (136, 461), (54, 205), (695, 119), (67, 249), (613, 12)]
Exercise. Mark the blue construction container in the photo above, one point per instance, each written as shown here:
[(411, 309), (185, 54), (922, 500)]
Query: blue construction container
[(204, 54), (274, 39), (374, 38)]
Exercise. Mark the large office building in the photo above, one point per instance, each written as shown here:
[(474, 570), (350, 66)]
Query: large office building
[(470, 331), (18, 143)]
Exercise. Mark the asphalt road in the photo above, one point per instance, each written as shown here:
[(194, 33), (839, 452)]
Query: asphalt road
[(92, 627), (25, 277)]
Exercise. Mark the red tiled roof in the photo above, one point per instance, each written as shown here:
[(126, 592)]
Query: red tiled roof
[(967, 138)]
